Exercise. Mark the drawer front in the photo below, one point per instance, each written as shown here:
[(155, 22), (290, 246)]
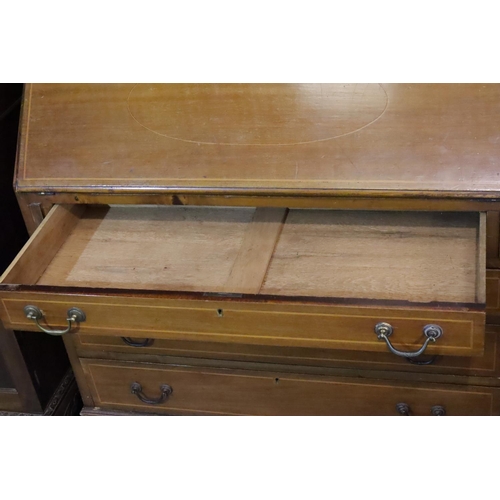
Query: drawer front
[(264, 322), (493, 239), (158, 350), (230, 392), (493, 296), (268, 277)]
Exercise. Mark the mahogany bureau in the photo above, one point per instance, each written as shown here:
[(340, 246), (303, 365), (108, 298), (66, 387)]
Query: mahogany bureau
[(292, 249)]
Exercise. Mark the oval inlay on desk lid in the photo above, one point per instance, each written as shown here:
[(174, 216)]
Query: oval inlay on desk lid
[(256, 114)]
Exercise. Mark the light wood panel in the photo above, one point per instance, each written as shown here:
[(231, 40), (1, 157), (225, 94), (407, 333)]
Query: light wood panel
[(420, 257), (256, 251), (43, 245), (165, 248), (261, 139)]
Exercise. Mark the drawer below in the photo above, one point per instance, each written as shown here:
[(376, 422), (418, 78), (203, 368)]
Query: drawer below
[(159, 350), (239, 392)]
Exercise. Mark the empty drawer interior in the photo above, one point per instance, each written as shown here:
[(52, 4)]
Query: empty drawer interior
[(412, 256)]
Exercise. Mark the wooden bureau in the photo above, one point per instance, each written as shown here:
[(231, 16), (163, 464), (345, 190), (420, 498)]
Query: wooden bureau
[(264, 249)]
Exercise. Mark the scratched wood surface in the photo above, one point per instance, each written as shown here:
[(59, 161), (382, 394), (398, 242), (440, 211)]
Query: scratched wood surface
[(414, 256), (261, 139), (420, 257), (164, 248)]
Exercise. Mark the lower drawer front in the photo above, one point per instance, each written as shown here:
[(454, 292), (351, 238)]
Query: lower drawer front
[(155, 350), (239, 392)]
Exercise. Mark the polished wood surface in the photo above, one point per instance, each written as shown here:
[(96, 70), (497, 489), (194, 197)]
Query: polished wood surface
[(430, 148), (233, 392), (248, 320), (485, 368), (302, 139)]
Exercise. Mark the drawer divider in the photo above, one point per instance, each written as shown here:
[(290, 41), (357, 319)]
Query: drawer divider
[(253, 259), (481, 260)]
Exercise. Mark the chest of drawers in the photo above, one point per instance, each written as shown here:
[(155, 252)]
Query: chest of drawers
[(264, 249)]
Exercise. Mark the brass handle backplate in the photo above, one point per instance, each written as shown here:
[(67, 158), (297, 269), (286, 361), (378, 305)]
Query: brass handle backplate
[(74, 315), (438, 411), (431, 332), (404, 409), (166, 391)]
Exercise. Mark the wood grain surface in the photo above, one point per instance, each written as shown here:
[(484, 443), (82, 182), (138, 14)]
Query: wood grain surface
[(421, 257), (418, 257), (257, 320), (43, 245), (240, 392), (164, 248), (351, 264), (429, 139), (159, 350)]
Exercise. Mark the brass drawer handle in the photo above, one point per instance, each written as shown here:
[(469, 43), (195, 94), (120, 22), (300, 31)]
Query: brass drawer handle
[(74, 314), (166, 391), (431, 332), (144, 343), (403, 409), (423, 362), (436, 411)]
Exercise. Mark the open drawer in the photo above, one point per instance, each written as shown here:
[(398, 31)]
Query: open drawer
[(353, 280)]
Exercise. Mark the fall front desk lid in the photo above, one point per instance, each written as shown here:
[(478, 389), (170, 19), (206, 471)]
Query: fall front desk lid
[(261, 139)]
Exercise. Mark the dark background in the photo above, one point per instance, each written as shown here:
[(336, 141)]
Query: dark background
[(44, 356), (12, 228)]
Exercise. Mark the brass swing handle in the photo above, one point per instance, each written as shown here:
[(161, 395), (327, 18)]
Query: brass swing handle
[(74, 315), (166, 391), (431, 332)]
